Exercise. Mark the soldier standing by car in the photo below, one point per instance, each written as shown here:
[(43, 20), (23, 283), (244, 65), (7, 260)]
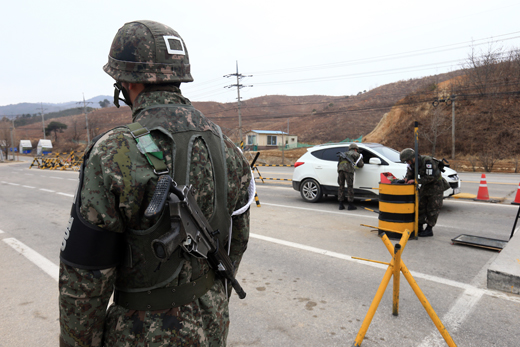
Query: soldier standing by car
[(174, 300), (431, 190), (346, 168)]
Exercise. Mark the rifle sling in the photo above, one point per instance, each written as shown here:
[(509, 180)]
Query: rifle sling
[(165, 298)]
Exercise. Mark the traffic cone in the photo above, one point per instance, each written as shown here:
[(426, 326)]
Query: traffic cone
[(517, 197), (483, 193)]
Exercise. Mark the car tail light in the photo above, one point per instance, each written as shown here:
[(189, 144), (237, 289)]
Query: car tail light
[(298, 163)]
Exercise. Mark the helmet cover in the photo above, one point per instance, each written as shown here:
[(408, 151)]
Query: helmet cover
[(148, 52), (407, 154)]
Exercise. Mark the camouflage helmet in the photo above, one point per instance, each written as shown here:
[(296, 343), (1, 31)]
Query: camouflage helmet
[(148, 52), (353, 146), (407, 154)]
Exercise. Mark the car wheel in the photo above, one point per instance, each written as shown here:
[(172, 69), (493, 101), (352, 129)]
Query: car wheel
[(311, 190)]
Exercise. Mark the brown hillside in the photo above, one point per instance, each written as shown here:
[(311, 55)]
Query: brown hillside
[(313, 118), (487, 117)]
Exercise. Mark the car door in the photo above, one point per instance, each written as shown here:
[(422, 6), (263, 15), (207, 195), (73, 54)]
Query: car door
[(369, 175), (327, 167)]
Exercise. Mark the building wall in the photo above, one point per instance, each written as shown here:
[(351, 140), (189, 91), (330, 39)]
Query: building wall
[(261, 140)]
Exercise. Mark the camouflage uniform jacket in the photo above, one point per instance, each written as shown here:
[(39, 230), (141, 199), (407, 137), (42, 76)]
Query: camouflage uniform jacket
[(431, 184), (117, 187), (345, 165)]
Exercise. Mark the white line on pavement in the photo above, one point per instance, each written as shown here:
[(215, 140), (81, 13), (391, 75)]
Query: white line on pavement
[(43, 263), (14, 184), (455, 317), (58, 178), (28, 187), (317, 210), (436, 279), (1, 232), (47, 190), (65, 194), (477, 203)]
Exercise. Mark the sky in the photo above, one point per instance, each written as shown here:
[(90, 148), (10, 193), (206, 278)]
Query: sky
[(53, 51)]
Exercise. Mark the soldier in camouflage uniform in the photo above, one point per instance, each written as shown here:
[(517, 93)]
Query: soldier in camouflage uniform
[(346, 167), (149, 60), (431, 190)]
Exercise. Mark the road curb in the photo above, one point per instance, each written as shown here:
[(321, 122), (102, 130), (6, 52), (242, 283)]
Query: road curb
[(504, 273)]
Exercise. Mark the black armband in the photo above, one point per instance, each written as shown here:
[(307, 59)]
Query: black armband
[(86, 246)]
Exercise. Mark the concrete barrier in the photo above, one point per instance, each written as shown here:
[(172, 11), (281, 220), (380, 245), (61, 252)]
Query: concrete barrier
[(504, 273)]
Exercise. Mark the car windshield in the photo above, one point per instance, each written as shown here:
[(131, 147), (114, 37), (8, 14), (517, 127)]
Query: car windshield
[(387, 152)]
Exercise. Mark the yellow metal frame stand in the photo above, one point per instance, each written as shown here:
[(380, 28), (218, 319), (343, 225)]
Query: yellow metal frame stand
[(395, 267)]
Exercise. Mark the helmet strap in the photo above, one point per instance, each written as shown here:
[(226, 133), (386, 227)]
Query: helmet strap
[(118, 88)]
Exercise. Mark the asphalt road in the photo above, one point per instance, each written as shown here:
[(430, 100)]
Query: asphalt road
[(303, 286)]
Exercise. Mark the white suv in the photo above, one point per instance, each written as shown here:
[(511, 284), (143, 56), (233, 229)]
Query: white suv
[(315, 172)]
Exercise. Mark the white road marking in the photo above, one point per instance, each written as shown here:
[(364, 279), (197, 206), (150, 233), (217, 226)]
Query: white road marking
[(43, 189), (43, 263), (455, 317), (58, 178), (1, 231), (461, 201), (317, 210), (416, 275)]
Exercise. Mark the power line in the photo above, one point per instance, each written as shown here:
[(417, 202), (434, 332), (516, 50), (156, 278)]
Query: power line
[(374, 108), (438, 49), (238, 86), (339, 99), (414, 53)]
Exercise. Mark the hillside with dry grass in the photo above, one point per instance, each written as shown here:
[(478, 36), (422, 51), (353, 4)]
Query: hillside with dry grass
[(485, 94), (485, 105), (313, 118)]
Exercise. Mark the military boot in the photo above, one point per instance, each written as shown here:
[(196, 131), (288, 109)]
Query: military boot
[(426, 232), (351, 207), (341, 206)]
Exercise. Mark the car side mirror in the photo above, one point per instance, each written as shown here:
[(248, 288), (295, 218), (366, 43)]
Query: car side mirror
[(375, 161)]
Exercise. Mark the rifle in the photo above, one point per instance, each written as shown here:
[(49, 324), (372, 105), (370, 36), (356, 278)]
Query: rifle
[(342, 155), (189, 229)]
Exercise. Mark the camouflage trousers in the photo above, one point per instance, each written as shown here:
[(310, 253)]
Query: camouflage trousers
[(347, 177), (430, 204)]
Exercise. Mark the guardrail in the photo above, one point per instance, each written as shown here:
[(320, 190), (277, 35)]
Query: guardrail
[(273, 165), (268, 178)]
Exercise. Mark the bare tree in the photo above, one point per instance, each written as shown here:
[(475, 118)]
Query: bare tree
[(489, 156), (438, 124), (75, 129)]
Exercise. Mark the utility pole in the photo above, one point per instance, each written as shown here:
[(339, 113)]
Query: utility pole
[(12, 142), (283, 149), (453, 126), (86, 117), (448, 101), (43, 123), (238, 85)]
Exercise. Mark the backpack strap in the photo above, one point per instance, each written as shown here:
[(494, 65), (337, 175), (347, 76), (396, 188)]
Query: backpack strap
[(148, 148)]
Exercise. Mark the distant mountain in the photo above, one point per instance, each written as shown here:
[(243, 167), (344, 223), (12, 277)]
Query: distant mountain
[(11, 111)]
